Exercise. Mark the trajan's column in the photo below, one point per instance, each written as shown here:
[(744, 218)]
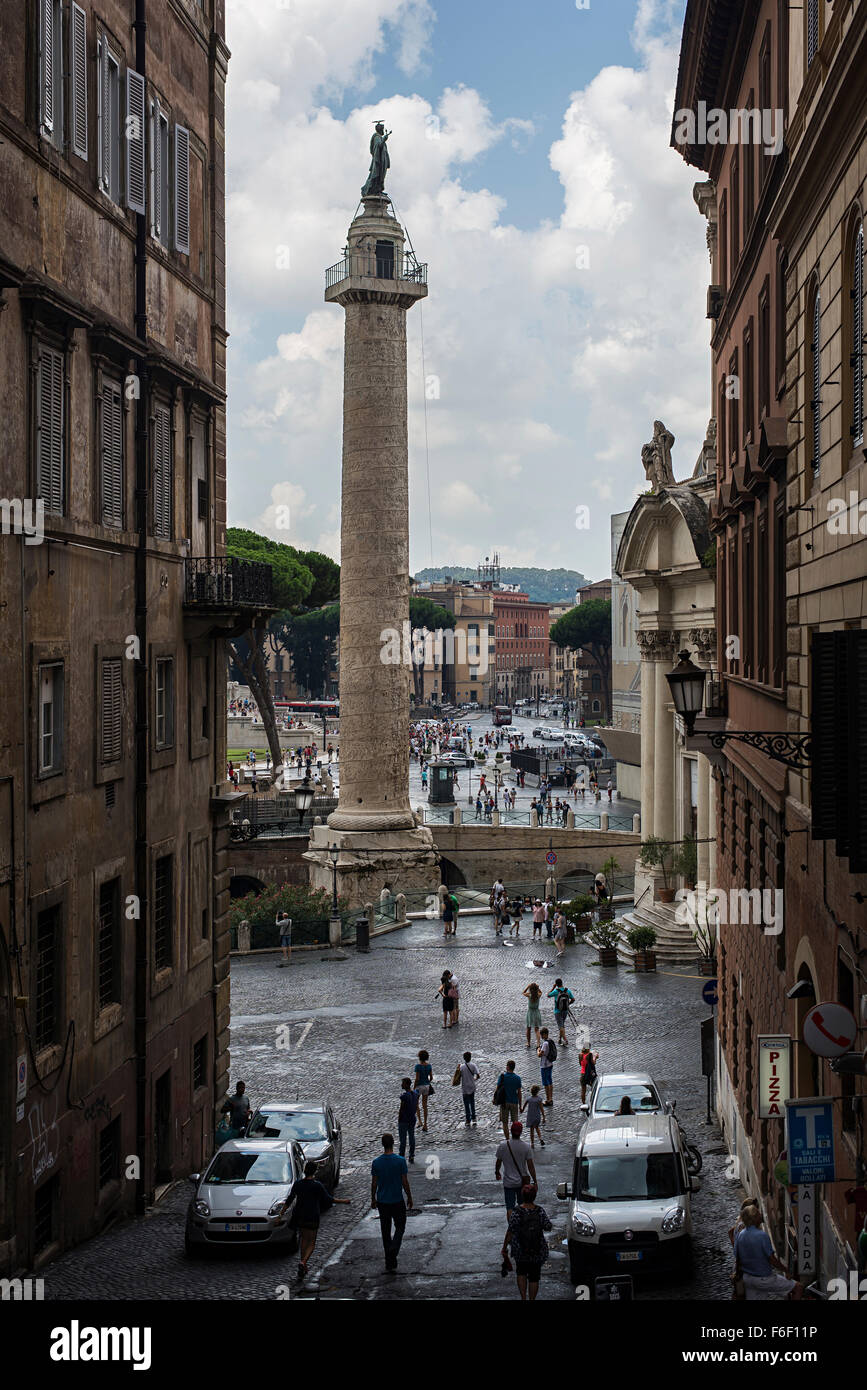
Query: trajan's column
[(374, 828)]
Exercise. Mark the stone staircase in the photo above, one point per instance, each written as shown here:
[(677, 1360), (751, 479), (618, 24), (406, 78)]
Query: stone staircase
[(674, 942)]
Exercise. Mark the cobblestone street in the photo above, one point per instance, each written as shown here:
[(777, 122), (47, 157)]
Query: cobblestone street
[(355, 1026)]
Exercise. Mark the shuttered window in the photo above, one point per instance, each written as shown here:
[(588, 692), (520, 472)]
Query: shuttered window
[(108, 944), (164, 703), (50, 57), (816, 403), (111, 455), (78, 83), (858, 339), (109, 121), (50, 431), (839, 743), (163, 474), (812, 30), (111, 711), (163, 912), (182, 189), (159, 174), (134, 132)]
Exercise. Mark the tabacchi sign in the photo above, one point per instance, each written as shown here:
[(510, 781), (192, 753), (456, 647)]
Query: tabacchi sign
[(774, 1074)]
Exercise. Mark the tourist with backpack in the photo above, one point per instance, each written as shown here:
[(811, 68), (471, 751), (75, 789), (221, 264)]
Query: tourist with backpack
[(587, 1061), (514, 1159), (449, 997), (563, 999), (547, 1052), (525, 1236)]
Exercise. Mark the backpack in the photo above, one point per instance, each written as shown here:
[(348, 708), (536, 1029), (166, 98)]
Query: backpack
[(552, 1050), (563, 1000), (454, 902), (532, 1234)]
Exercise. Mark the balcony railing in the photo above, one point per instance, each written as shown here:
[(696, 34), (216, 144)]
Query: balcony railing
[(373, 268), (228, 583)]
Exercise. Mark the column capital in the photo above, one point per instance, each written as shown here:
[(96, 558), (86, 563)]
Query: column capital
[(657, 644), (704, 640)]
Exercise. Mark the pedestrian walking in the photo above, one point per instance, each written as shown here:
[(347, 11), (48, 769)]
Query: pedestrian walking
[(559, 933), (610, 789), (448, 914), (547, 1053), (538, 918), (548, 919), (563, 999), (407, 1116), (424, 1083), (283, 923), (535, 1109), (237, 1107), (468, 1077), (388, 1182), (508, 1096), (456, 998), (587, 1062), (517, 914), (525, 1236), (533, 995), (447, 992), (308, 1200), (478, 806), (515, 1160)]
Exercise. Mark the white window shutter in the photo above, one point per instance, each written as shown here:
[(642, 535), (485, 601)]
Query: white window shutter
[(182, 189), (46, 65), (78, 83), (135, 141)]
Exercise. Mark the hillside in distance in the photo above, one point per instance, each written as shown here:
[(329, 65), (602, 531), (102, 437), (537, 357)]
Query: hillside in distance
[(543, 586)]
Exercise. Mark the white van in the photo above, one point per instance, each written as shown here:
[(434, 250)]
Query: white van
[(630, 1197)]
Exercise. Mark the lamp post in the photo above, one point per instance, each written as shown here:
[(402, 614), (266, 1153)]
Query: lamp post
[(304, 795), (686, 683), (333, 855)]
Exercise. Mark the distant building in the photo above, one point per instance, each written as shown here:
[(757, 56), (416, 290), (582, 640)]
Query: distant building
[(624, 743), (459, 669), (521, 634)]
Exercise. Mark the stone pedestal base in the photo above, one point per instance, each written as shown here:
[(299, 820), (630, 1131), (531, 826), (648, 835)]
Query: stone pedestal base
[(406, 859)]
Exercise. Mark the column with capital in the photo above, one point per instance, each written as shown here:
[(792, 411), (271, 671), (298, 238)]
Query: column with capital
[(663, 741)]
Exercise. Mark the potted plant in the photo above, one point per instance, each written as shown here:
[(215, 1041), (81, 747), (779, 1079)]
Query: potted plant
[(686, 861), (579, 911), (605, 937), (656, 854), (641, 941), (704, 936)]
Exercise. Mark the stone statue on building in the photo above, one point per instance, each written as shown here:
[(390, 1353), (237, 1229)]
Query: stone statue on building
[(379, 162), (656, 457)]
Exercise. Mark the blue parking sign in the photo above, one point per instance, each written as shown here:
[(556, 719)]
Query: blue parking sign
[(810, 1140)]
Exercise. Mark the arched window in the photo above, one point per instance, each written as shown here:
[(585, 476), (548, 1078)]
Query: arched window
[(857, 341), (596, 707)]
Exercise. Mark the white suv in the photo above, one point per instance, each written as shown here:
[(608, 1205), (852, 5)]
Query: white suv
[(630, 1197)]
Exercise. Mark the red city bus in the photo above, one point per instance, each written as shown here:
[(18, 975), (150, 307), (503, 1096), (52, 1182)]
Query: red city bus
[(320, 707), (502, 714)]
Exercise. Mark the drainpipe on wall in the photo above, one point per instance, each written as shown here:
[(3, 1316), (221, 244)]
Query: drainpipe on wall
[(142, 434)]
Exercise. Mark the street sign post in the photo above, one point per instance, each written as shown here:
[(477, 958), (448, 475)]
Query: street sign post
[(774, 1074), (810, 1140)]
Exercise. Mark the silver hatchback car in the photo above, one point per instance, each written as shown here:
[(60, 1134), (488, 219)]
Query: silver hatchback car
[(239, 1198)]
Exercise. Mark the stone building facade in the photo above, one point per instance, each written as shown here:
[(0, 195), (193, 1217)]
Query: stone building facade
[(462, 668), (521, 633), (114, 1007), (787, 305)]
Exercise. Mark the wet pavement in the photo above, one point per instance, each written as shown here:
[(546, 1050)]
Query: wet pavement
[(355, 1026)]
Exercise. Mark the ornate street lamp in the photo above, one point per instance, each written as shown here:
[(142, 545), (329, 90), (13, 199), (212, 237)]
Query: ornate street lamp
[(304, 796), (687, 681)]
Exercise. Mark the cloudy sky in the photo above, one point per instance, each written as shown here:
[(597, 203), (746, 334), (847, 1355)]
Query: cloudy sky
[(567, 263)]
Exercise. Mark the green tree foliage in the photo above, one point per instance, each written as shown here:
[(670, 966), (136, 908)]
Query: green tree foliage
[(309, 639), (304, 905), (425, 616), (588, 628)]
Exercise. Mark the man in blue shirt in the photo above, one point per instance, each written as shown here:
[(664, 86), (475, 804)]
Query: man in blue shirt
[(510, 1105), (389, 1181)]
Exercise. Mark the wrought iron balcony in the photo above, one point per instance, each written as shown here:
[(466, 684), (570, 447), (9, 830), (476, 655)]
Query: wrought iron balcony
[(227, 585), (373, 268)]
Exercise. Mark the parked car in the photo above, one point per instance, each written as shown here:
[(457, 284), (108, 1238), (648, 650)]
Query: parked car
[(630, 1197), (610, 1088), (239, 1198), (310, 1123), (457, 760)]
